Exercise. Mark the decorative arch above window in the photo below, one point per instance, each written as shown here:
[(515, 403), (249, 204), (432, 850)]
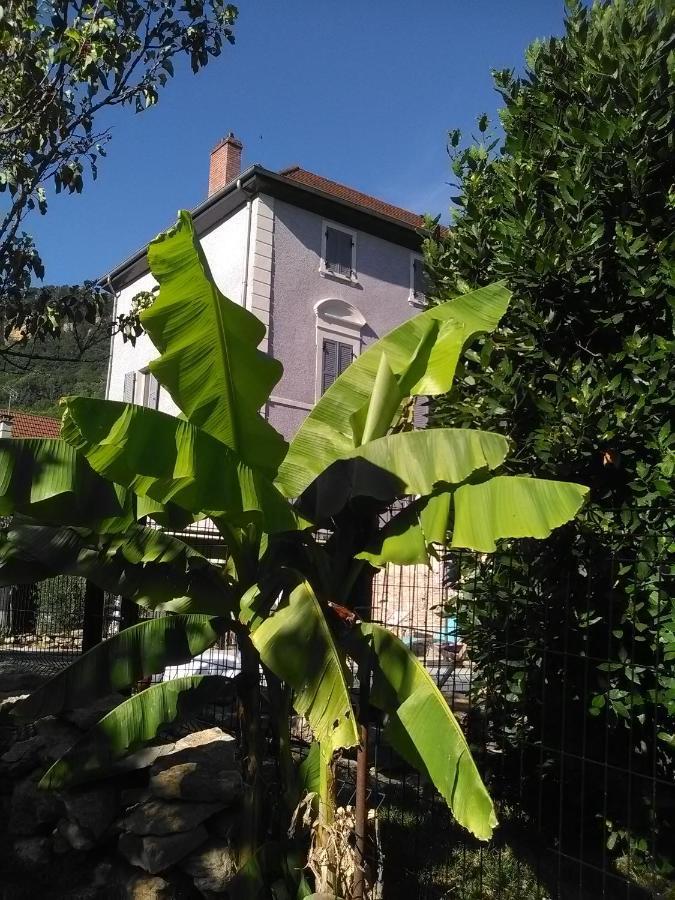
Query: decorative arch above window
[(338, 340), (339, 312)]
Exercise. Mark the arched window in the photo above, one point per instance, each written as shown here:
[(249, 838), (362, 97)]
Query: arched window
[(339, 328)]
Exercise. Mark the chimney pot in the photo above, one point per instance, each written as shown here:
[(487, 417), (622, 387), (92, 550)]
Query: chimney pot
[(225, 163)]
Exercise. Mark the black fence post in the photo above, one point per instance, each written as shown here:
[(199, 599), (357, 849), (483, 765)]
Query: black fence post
[(128, 613), (92, 622)]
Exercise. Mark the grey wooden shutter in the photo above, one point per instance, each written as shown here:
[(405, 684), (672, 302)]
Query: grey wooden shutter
[(339, 251), (336, 358), (345, 356), (421, 412), (129, 385), (419, 280), (152, 391), (329, 364)]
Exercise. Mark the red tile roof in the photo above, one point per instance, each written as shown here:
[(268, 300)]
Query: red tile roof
[(342, 192), (28, 425)]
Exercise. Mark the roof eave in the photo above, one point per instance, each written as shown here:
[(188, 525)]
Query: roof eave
[(227, 199), (256, 180)]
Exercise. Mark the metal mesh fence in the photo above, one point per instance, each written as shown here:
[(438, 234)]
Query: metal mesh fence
[(559, 664)]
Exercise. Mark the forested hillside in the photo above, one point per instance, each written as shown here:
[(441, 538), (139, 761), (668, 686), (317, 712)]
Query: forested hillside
[(38, 373)]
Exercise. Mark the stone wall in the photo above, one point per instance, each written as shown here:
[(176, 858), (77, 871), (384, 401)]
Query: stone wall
[(160, 827)]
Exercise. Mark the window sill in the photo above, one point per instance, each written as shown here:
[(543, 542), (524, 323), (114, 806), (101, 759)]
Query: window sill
[(335, 276), (418, 301)]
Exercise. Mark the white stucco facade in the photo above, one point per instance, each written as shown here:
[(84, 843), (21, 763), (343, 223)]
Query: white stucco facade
[(225, 247), (268, 255)]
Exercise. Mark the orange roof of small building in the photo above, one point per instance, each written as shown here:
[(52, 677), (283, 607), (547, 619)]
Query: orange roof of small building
[(342, 192), (29, 425)]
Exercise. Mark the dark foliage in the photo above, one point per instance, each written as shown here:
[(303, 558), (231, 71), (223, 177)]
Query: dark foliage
[(577, 212), (65, 64)]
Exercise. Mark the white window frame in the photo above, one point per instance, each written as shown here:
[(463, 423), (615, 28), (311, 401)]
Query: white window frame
[(331, 323), (327, 273), (414, 299)]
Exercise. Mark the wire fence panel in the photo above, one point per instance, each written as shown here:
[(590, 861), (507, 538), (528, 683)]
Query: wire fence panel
[(558, 660), (43, 618)]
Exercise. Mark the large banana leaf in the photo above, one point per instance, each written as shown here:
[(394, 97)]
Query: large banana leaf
[(408, 537), (327, 434), (209, 360), (512, 507), (410, 462), (47, 480), (132, 724), (296, 643), (423, 459), (172, 461), (421, 727), (121, 661), (147, 566)]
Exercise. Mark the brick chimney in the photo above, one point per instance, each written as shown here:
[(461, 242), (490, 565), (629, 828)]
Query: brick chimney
[(6, 425), (225, 164)]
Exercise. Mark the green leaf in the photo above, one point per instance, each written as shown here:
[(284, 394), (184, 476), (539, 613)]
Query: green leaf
[(132, 724), (375, 417), (309, 771), (47, 480), (422, 728), (407, 538), (121, 661), (209, 360), (296, 643), (512, 507), (147, 566), (423, 459), (326, 434), (410, 462), (171, 461)]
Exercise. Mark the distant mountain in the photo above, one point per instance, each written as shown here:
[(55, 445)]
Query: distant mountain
[(47, 372)]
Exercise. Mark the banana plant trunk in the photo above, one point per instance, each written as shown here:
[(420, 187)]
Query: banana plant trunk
[(250, 701), (363, 597)]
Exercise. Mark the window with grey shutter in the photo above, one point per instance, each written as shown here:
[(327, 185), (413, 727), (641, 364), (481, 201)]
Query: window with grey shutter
[(129, 386), (419, 278), (421, 412), (151, 391), (338, 252), (336, 357)]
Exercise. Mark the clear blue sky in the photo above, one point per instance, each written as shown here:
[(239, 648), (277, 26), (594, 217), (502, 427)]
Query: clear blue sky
[(361, 92)]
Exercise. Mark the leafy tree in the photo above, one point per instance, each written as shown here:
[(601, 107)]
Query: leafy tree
[(575, 209), (65, 63), (294, 600)]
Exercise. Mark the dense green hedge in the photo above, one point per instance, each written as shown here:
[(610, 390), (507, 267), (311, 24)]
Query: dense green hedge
[(575, 207)]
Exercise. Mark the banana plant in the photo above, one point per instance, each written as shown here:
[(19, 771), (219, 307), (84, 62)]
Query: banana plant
[(112, 500)]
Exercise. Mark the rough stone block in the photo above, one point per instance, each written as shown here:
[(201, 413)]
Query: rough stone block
[(93, 809), (162, 817), (32, 808), (201, 768), (57, 737), (213, 866), (73, 835), (22, 757), (156, 853), (32, 852)]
